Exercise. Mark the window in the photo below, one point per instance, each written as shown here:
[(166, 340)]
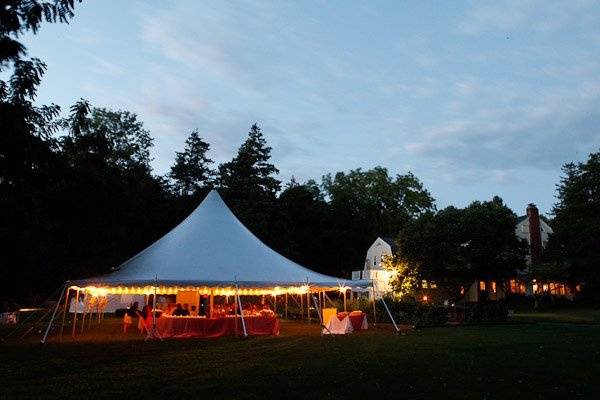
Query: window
[(482, 285), (493, 287), (374, 260)]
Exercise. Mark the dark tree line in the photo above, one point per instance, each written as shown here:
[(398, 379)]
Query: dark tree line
[(78, 195)]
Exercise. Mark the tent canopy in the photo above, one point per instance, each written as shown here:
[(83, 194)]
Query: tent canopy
[(212, 248)]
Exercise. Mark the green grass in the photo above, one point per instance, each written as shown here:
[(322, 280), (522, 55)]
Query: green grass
[(560, 315), (486, 362)]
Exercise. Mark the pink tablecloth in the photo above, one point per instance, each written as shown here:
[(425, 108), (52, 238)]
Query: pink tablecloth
[(359, 321), (214, 327)]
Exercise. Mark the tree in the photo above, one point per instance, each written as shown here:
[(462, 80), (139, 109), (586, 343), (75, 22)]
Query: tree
[(248, 184), (367, 204), (29, 165), (191, 170), (111, 138), (458, 246), (303, 219), (576, 224)]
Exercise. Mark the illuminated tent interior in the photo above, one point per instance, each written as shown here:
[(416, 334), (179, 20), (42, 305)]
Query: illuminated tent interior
[(210, 253)]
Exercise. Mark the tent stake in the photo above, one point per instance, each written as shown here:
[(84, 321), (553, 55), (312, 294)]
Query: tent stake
[(53, 315)]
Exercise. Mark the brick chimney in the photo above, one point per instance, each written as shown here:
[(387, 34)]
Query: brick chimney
[(535, 235)]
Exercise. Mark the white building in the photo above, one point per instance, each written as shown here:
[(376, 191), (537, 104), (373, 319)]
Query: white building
[(373, 269)]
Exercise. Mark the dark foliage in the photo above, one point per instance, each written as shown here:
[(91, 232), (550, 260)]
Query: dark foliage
[(573, 248), (455, 247)]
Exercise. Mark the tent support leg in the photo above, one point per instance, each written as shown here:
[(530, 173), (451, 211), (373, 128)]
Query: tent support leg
[(83, 314), (301, 307), (308, 306), (374, 313), (53, 314), (391, 317), (286, 305), (239, 302), (75, 313), (320, 316), (65, 311), (211, 303), (275, 304), (344, 295)]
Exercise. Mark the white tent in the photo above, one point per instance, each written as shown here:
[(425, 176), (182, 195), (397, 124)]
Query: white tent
[(212, 248)]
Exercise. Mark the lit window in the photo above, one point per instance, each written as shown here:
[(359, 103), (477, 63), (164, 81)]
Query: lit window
[(481, 285), (493, 287), (433, 285), (462, 290), (424, 284)]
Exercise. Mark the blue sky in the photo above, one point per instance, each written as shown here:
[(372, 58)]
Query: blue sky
[(475, 98)]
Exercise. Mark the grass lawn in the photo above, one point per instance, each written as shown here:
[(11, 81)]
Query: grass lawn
[(538, 360), (560, 315)]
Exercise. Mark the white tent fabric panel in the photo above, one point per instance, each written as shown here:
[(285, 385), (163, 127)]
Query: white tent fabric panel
[(212, 247)]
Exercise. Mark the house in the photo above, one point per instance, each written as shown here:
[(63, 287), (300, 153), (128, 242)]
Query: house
[(536, 232), (373, 269), (530, 227)]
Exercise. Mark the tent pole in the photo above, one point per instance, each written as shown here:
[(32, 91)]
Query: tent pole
[(83, 316), (344, 295), (153, 333), (65, 311), (75, 313), (211, 303), (275, 304), (374, 307), (391, 317), (53, 314), (308, 306), (301, 307), (241, 310), (286, 305), (323, 327)]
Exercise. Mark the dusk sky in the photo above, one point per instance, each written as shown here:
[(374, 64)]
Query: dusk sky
[(475, 98)]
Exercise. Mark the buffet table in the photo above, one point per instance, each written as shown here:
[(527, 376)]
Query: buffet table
[(169, 326)]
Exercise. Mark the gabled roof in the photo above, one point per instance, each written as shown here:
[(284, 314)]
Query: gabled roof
[(212, 247), (391, 241), (521, 219)]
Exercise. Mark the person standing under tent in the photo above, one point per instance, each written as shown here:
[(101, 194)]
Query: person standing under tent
[(129, 315)]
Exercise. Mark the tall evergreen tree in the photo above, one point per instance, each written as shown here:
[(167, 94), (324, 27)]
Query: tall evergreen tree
[(191, 170), (249, 184), (574, 245)]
